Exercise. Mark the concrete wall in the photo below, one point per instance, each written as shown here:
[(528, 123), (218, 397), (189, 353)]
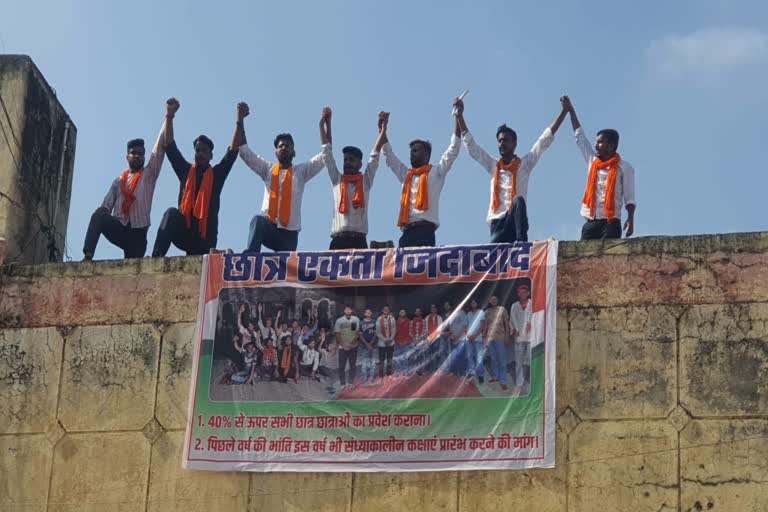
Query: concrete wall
[(661, 392), (37, 154)]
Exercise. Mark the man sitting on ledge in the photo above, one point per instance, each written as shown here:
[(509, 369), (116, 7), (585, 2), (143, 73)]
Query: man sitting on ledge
[(124, 215), (193, 226)]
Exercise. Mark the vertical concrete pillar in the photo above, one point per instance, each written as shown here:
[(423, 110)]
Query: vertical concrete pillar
[(37, 154)]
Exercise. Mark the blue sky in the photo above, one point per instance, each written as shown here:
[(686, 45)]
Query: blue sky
[(683, 82)]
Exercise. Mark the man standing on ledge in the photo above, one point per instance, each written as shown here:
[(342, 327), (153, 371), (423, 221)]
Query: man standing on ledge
[(507, 212), (610, 183), (124, 215), (420, 199), (193, 227), (351, 190), (278, 223)]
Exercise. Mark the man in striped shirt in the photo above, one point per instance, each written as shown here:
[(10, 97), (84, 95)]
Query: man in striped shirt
[(124, 215)]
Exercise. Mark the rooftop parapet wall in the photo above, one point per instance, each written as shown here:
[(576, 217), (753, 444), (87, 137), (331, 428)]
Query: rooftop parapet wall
[(661, 391), (37, 154)]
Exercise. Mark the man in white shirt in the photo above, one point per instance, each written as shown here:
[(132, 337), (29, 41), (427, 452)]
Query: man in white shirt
[(124, 215), (507, 211), (351, 190), (386, 329), (475, 342), (422, 183), (278, 223), (520, 320), (610, 183), (310, 359), (347, 329)]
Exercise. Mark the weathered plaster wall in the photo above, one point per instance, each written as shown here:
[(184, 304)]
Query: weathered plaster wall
[(661, 392), (37, 154)]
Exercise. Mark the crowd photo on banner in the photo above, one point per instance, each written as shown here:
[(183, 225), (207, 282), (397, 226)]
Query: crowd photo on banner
[(439, 341)]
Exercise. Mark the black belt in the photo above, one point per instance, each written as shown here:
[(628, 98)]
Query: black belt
[(348, 234), (420, 223)]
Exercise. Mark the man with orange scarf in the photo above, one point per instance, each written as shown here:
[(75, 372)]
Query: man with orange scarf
[(193, 226), (507, 212), (124, 215), (610, 183), (419, 215), (278, 223), (351, 190)]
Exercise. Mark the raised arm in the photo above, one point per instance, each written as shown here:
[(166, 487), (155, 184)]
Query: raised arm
[(477, 153), (450, 155), (398, 168), (325, 126), (373, 158), (155, 162), (256, 163), (238, 138), (587, 152), (178, 162)]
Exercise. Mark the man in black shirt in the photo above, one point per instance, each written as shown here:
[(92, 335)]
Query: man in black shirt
[(193, 226)]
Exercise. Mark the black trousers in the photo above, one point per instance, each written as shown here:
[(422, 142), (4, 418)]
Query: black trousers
[(132, 241), (513, 227), (418, 235), (347, 357), (385, 360), (348, 242), (263, 232), (601, 229), (173, 229)]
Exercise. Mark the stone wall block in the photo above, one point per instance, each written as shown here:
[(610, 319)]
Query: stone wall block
[(98, 472), (621, 362), (495, 490), (109, 378), (724, 360), (25, 463), (626, 465), (724, 465), (172, 488), (425, 492), (302, 492), (175, 376), (30, 366)]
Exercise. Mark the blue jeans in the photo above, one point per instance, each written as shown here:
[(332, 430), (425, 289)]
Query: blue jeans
[(402, 359), (475, 356), (368, 364), (498, 360), (457, 358), (512, 227), (262, 232)]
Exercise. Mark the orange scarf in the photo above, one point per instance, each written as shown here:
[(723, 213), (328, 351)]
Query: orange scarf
[(432, 323), (417, 327), (285, 195), (358, 199), (512, 167), (128, 193), (286, 361), (422, 194), (197, 202), (385, 324), (590, 193)]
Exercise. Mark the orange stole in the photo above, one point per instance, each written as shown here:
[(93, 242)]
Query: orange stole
[(422, 194), (197, 202), (590, 194), (285, 195)]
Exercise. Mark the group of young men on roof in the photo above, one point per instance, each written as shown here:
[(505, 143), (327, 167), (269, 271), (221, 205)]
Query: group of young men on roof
[(124, 215)]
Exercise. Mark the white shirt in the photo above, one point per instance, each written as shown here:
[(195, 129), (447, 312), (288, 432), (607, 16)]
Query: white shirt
[(356, 219), (527, 163), (521, 320), (309, 356), (386, 328), (435, 181), (302, 173), (141, 209), (625, 181)]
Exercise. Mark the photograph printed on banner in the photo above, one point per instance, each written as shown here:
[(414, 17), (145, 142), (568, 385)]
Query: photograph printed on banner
[(458, 340)]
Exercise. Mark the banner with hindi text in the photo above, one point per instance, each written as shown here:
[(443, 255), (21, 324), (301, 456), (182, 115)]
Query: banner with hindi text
[(415, 359)]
